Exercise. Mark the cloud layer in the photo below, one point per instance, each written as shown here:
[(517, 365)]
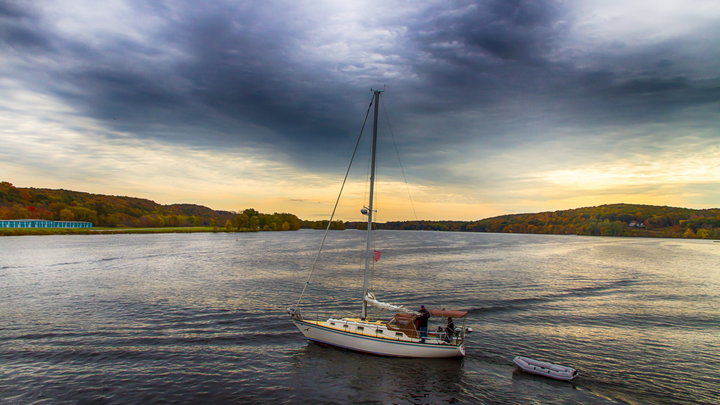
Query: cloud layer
[(489, 100)]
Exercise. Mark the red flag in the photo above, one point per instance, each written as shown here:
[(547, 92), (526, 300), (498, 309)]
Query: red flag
[(376, 254)]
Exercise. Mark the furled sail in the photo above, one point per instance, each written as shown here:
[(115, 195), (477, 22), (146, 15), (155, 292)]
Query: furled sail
[(370, 299)]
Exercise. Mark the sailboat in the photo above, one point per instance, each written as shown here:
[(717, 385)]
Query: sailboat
[(397, 335)]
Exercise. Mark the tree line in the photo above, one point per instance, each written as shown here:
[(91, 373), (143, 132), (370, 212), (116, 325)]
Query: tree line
[(323, 224), (413, 225), (117, 211), (603, 220), (611, 220)]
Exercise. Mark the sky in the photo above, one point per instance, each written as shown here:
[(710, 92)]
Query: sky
[(489, 107)]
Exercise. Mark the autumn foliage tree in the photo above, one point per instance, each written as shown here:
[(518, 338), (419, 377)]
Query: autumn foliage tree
[(114, 211)]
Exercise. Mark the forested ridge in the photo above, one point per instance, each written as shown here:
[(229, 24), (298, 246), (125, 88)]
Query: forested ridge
[(611, 220), (603, 220), (117, 211)]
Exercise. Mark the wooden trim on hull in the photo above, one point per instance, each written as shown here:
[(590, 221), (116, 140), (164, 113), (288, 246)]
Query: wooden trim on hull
[(381, 346)]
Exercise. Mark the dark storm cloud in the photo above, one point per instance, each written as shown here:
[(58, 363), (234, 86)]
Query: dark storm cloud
[(246, 67), (468, 52), (234, 73), (507, 51), (490, 31), (18, 27), (232, 76), (479, 58)]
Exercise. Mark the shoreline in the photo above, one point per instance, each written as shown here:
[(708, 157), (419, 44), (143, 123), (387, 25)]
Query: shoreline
[(111, 231), (209, 229)]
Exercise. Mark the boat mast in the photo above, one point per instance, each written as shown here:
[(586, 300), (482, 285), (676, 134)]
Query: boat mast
[(368, 248)]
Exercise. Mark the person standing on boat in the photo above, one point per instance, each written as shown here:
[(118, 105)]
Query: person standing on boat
[(423, 323)]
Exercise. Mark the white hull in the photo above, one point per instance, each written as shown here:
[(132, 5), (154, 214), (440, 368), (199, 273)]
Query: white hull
[(384, 346)]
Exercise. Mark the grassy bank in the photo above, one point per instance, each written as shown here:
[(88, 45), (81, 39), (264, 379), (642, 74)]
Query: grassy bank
[(99, 230)]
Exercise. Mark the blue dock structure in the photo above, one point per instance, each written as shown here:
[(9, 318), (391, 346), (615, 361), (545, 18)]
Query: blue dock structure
[(42, 223)]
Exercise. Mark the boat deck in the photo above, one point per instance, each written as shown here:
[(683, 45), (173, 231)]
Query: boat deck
[(380, 330)]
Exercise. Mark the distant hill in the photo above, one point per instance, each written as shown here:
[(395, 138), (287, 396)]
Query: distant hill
[(610, 220), (111, 211), (603, 220)]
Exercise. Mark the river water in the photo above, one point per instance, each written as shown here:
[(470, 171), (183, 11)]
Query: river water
[(194, 318)]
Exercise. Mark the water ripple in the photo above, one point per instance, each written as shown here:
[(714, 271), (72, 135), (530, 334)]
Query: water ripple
[(196, 318)]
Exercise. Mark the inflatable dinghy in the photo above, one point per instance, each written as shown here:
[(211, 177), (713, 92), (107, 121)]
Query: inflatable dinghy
[(555, 371)]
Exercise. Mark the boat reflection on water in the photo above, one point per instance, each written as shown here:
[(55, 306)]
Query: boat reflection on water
[(380, 378)]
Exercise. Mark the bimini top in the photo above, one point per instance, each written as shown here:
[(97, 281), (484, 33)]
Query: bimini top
[(451, 314)]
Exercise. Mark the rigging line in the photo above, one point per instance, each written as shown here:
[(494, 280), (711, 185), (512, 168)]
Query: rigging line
[(337, 201), (397, 152)]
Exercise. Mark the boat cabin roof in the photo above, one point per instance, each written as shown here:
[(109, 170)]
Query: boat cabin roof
[(451, 314)]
